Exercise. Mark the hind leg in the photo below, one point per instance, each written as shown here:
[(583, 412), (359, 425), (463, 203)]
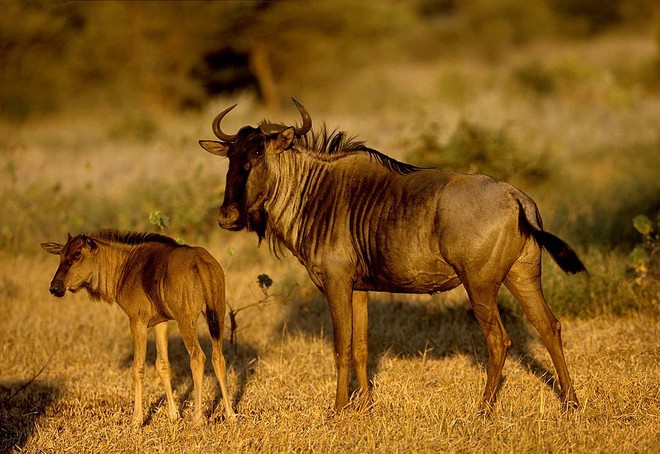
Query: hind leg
[(220, 368), (188, 330), (164, 369), (483, 298), (524, 283)]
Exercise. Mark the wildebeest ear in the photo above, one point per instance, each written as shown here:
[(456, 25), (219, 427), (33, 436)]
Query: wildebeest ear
[(52, 248), (285, 139), (91, 244), (216, 148)]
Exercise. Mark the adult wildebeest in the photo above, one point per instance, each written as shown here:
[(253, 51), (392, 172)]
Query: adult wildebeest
[(359, 220), (153, 279)]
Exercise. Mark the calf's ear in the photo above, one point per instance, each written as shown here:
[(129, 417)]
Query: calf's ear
[(91, 244), (216, 148), (52, 248)]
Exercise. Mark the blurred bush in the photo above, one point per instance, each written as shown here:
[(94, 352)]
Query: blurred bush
[(537, 78), (133, 125), (643, 262), (42, 213), (473, 148), (496, 26), (174, 55), (34, 39)]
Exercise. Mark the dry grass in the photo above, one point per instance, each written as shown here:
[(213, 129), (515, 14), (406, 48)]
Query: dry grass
[(427, 354), (427, 364)]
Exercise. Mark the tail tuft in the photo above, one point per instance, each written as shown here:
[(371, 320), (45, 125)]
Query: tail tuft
[(561, 252), (213, 322), (529, 224), (213, 298)]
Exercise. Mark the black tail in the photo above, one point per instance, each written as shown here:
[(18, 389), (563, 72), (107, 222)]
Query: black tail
[(210, 299), (561, 252), (213, 322)]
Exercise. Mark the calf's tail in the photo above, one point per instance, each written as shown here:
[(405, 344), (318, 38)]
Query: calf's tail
[(529, 223), (214, 299)]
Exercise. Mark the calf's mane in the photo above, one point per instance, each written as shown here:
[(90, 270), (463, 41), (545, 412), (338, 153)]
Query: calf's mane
[(131, 238)]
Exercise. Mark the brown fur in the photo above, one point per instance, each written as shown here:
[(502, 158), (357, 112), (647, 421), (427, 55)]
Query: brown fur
[(153, 279)]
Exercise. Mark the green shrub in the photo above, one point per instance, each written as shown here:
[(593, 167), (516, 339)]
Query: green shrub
[(642, 262), (607, 289), (477, 149), (45, 213)]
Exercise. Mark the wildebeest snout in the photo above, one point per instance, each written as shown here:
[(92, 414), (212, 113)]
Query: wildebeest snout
[(230, 217), (57, 288)]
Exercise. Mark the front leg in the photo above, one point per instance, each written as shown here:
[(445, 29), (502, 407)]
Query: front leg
[(164, 369), (139, 332), (338, 292), (359, 344)]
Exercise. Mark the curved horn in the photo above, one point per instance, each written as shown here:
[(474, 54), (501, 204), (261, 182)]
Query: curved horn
[(307, 119), (216, 126)]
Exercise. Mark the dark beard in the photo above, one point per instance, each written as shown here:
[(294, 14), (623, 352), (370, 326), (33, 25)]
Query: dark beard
[(95, 295), (256, 222)]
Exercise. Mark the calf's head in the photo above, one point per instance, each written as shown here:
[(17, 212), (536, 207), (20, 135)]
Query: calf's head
[(78, 263), (248, 151)]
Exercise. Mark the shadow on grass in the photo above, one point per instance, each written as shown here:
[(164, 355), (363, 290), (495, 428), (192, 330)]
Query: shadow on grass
[(181, 373), (20, 409), (430, 329)]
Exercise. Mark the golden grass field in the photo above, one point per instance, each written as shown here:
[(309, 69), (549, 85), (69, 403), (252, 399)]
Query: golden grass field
[(65, 378)]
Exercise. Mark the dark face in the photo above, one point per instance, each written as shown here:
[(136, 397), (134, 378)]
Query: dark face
[(244, 154), (77, 262), (245, 189), (242, 206)]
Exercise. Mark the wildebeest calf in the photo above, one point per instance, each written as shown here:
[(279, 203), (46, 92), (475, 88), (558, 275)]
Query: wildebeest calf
[(153, 279)]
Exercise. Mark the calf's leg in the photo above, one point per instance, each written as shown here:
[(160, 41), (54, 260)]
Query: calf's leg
[(164, 369), (139, 333), (215, 318), (188, 330), (220, 368)]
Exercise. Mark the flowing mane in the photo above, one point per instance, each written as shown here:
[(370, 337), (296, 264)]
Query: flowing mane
[(131, 238), (330, 145)]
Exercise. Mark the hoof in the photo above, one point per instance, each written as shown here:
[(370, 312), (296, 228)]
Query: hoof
[(231, 418), (340, 407), (485, 410), (570, 405), (199, 421), (136, 424)]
